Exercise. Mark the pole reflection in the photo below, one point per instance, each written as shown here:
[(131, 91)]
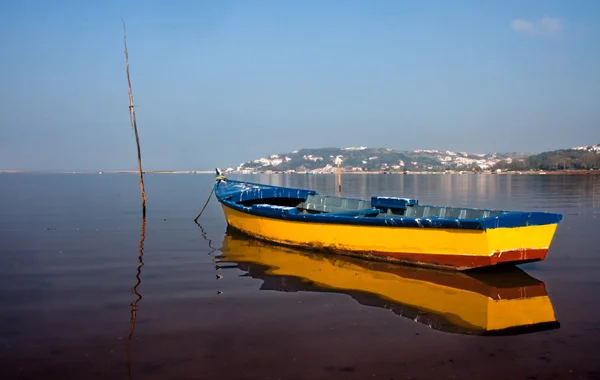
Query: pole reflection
[(134, 290)]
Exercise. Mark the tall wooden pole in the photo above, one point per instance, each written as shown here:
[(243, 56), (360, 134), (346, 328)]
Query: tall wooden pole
[(133, 124)]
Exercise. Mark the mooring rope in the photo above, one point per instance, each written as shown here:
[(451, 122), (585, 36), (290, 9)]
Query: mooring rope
[(219, 178)]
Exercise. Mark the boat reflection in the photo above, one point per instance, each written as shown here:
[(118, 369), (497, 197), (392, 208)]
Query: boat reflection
[(505, 302)]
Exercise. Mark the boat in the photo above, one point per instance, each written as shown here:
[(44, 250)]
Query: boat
[(483, 302), (392, 229)]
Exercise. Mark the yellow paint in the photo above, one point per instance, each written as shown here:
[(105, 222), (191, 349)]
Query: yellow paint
[(504, 239), (508, 313), (444, 241), (461, 307)]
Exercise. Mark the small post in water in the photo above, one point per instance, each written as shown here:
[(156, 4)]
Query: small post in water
[(338, 161)]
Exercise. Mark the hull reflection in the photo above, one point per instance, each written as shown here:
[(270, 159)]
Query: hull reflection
[(504, 302)]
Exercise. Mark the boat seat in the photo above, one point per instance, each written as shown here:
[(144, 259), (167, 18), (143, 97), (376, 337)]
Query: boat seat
[(324, 203), (448, 212), (393, 204), (371, 212)]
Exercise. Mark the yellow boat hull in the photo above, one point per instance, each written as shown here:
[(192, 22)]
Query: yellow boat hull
[(449, 248)]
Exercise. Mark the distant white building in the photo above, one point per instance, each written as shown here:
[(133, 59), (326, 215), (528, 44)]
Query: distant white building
[(592, 148), (310, 157), (269, 161), (355, 148)]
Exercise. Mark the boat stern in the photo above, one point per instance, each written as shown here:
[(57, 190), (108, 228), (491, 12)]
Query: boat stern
[(522, 238)]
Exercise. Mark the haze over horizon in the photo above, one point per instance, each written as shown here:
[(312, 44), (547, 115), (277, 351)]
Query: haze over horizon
[(223, 82)]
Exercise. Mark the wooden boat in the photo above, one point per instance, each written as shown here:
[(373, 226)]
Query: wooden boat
[(484, 302), (387, 228)]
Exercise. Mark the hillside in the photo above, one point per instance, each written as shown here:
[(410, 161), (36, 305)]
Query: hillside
[(362, 159), (583, 157)]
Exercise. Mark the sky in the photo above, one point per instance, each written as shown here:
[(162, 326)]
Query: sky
[(217, 83)]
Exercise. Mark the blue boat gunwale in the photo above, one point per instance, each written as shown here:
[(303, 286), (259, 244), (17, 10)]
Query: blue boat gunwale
[(226, 190)]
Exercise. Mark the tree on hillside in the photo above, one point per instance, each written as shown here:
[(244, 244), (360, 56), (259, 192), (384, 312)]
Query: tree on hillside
[(590, 160)]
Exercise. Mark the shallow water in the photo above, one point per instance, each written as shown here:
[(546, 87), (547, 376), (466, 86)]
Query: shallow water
[(78, 301)]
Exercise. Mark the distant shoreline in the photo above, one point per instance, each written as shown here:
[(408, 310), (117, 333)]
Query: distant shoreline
[(553, 172)]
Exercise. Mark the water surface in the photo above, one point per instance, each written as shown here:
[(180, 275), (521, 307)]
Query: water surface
[(80, 300)]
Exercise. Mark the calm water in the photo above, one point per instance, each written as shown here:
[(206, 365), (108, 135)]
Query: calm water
[(78, 301)]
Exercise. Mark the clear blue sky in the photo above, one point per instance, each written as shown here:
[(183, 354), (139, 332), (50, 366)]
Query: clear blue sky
[(220, 82)]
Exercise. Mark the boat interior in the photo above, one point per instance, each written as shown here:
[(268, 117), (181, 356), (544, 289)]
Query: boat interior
[(381, 207)]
